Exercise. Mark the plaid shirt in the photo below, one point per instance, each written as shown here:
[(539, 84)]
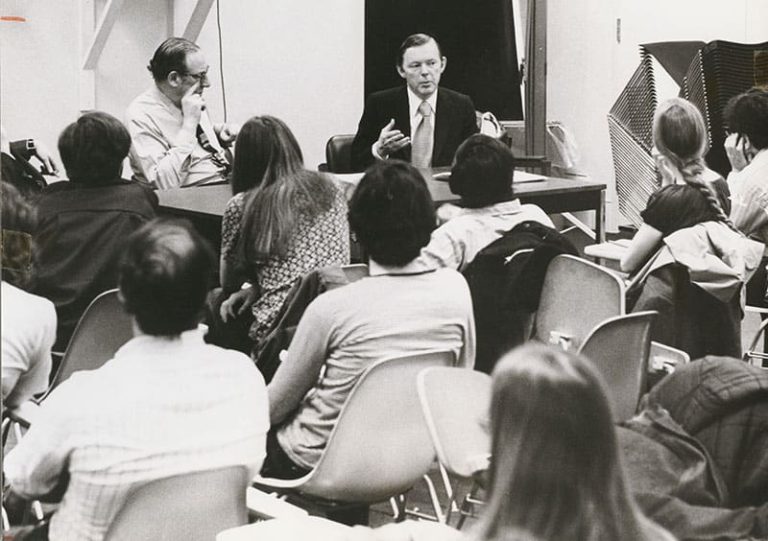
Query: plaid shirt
[(161, 407)]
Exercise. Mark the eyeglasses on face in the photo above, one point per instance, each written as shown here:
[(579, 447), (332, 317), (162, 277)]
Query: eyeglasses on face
[(202, 76)]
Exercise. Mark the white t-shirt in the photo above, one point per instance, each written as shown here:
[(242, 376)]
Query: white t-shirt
[(28, 333)]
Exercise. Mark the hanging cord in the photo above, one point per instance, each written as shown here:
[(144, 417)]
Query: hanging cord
[(221, 61)]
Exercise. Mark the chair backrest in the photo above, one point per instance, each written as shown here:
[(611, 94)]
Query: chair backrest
[(338, 153), (103, 328), (575, 297), (190, 507), (619, 348), (380, 445), (456, 405)]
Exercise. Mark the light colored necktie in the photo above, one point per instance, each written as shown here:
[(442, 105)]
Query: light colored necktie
[(423, 140)]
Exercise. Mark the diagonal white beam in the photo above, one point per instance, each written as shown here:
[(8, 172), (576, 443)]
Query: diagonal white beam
[(100, 36), (197, 19)]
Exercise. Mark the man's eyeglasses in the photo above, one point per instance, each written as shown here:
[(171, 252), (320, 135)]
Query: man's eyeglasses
[(200, 77)]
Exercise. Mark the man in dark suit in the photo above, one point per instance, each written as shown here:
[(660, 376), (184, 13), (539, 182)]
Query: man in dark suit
[(416, 123)]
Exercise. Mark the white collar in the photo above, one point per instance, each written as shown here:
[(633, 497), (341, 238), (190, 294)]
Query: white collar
[(415, 266), (414, 101)]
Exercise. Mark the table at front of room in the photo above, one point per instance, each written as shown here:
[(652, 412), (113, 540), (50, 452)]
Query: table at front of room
[(204, 205)]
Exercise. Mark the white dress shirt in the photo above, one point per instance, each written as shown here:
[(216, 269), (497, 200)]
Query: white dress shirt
[(414, 115), (456, 243), (161, 407), (162, 153)]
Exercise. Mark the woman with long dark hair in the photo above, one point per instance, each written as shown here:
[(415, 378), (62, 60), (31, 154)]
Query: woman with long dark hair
[(555, 469), (282, 222)]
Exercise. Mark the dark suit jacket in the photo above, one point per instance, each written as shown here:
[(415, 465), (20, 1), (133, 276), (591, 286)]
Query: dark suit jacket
[(455, 120)]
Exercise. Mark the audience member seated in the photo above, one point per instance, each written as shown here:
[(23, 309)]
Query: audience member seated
[(165, 405), (697, 261), (28, 321), (419, 123), (283, 222), (555, 470), (174, 141), (691, 193), (399, 309), (83, 223), (16, 168), (747, 147), (482, 176)]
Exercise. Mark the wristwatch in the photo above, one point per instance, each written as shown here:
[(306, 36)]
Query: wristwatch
[(30, 147)]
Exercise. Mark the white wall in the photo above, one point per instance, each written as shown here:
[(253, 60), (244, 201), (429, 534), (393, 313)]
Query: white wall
[(38, 69), (588, 67)]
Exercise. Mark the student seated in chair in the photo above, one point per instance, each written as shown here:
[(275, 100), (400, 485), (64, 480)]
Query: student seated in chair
[(481, 175), (167, 403), (401, 308)]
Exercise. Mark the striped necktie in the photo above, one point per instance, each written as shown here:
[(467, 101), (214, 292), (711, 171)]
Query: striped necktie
[(423, 140)]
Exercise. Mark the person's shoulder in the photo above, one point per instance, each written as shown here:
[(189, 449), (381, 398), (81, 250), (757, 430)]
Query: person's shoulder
[(24, 302), (235, 364), (387, 95), (454, 96)]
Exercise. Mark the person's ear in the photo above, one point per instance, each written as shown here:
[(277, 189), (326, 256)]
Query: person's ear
[(174, 78), (443, 63), (400, 71)]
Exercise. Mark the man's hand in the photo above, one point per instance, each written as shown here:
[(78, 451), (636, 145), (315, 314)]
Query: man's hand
[(49, 166), (391, 140), (192, 104), (238, 303), (227, 133), (734, 148)]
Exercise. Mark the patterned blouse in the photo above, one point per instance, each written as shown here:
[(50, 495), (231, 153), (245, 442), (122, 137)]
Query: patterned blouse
[(318, 241)]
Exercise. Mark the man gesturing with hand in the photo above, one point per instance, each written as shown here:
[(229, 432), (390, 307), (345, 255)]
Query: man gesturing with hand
[(174, 141), (418, 123)]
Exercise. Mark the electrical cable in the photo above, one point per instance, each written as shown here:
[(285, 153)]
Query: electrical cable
[(221, 61)]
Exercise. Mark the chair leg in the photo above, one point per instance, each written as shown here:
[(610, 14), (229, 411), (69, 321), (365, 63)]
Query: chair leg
[(398, 507), (451, 507), (435, 501), (466, 505)]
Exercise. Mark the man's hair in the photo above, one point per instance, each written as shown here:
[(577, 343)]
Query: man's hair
[(414, 40), (171, 56), (164, 276), (482, 171), (19, 223), (93, 148), (391, 213), (747, 114)]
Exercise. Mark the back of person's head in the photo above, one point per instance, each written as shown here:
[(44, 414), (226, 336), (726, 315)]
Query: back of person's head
[(680, 136), (170, 56), (482, 171), (269, 168), (555, 469), (747, 115), (265, 152), (392, 213), (164, 277), (19, 220), (93, 148), (415, 40)]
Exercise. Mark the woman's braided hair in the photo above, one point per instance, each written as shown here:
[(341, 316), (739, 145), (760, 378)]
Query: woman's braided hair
[(680, 135)]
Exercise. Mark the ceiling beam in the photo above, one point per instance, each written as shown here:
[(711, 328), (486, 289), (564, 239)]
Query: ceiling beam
[(197, 19), (100, 36)]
